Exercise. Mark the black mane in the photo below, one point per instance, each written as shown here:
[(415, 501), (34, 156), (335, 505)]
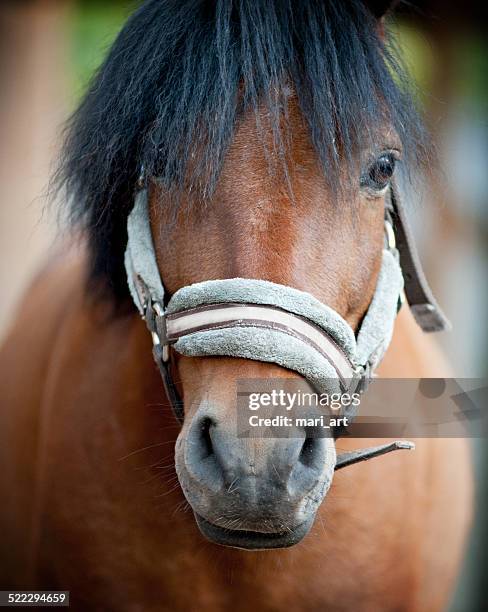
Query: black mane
[(179, 74)]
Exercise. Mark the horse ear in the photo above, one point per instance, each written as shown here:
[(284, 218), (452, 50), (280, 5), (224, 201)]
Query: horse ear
[(379, 8)]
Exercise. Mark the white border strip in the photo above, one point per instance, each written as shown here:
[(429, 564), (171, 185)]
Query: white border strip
[(184, 324)]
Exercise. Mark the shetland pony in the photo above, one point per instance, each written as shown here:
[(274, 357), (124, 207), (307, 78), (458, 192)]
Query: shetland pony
[(269, 131)]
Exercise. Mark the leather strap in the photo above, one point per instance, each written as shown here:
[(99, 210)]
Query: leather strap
[(419, 296), (155, 321), (364, 454), (168, 383)]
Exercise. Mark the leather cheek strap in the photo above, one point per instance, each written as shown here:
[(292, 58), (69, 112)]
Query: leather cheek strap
[(423, 305), (163, 361)]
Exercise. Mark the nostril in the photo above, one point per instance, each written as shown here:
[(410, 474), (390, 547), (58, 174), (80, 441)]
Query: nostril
[(306, 456), (314, 464), (200, 458), (205, 438)]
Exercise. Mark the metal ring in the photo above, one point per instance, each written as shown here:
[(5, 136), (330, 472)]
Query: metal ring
[(390, 235), (158, 309)]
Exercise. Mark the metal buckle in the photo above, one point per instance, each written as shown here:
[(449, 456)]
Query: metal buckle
[(164, 347), (158, 312), (141, 179), (363, 375)]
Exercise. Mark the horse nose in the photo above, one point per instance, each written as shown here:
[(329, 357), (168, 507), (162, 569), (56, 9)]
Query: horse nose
[(259, 467)]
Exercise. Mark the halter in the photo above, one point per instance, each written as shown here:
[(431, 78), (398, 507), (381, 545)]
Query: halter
[(265, 321)]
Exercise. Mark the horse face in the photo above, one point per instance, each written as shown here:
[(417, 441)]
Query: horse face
[(263, 493)]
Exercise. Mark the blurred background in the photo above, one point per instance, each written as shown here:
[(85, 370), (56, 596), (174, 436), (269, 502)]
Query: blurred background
[(50, 48)]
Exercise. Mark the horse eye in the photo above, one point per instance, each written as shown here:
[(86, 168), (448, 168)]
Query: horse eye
[(380, 172)]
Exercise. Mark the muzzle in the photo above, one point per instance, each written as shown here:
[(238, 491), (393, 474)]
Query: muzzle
[(265, 321)]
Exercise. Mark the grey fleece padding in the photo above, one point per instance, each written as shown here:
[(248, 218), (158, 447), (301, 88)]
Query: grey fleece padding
[(140, 257), (245, 290), (264, 345), (377, 327)]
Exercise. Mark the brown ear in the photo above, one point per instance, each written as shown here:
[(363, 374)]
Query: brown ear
[(379, 8)]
